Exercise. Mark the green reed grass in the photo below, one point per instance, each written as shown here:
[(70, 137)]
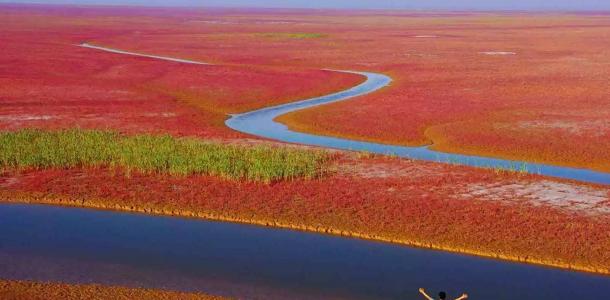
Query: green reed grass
[(32, 148), (291, 35)]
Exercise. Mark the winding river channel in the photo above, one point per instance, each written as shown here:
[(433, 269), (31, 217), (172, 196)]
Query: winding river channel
[(90, 246), (262, 123)]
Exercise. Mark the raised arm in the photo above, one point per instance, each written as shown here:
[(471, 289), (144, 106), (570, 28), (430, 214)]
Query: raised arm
[(463, 297), (423, 292)]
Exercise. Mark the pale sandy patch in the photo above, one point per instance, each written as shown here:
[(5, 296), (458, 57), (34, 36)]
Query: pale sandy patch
[(391, 169), (275, 22), (121, 92), (162, 115), (368, 64), (218, 22), (593, 127), (567, 196), (498, 53), (28, 117), (223, 22), (416, 54)]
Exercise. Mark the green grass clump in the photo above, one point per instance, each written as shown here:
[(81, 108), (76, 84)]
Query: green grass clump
[(292, 35), (32, 148)]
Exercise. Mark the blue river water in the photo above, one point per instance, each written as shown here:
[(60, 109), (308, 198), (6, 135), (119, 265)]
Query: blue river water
[(249, 262), (73, 245), (261, 123)]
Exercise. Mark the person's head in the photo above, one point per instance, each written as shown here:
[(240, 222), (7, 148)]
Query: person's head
[(442, 295)]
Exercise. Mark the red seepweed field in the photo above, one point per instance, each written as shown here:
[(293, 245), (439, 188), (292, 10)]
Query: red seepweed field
[(49, 82), (446, 207), (499, 85), (15, 290), (520, 86)]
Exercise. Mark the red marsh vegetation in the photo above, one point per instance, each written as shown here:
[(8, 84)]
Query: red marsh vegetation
[(425, 204), (48, 82), (524, 87), (521, 86), (20, 290)]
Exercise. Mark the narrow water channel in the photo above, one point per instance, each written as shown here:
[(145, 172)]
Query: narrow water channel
[(262, 123), (88, 246), (47, 243)]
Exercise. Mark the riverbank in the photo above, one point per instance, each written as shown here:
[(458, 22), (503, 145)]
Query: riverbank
[(358, 202), (489, 213), (18, 290), (93, 204), (79, 245)]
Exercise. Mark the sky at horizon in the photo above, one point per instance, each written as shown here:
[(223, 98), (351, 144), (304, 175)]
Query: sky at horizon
[(357, 4)]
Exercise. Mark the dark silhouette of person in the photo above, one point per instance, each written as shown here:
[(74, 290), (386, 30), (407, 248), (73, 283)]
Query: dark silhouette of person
[(441, 295)]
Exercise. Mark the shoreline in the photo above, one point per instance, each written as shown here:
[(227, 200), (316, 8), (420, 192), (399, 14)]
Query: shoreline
[(48, 290), (202, 215)]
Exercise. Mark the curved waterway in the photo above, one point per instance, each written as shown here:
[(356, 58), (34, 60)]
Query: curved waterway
[(74, 245), (262, 123)]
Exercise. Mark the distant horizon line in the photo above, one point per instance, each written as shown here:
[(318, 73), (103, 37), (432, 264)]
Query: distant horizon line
[(482, 10)]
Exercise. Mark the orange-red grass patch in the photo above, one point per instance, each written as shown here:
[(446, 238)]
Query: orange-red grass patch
[(524, 86), (20, 290), (520, 86), (47, 81), (431, 205)]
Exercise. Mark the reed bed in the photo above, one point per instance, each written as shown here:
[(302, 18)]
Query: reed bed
[(73, 148)]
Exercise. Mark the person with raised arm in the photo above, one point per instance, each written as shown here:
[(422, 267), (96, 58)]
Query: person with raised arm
[(441, 295)]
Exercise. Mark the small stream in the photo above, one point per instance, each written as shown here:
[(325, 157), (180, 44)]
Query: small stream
[(262, 123), (73, 245)]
